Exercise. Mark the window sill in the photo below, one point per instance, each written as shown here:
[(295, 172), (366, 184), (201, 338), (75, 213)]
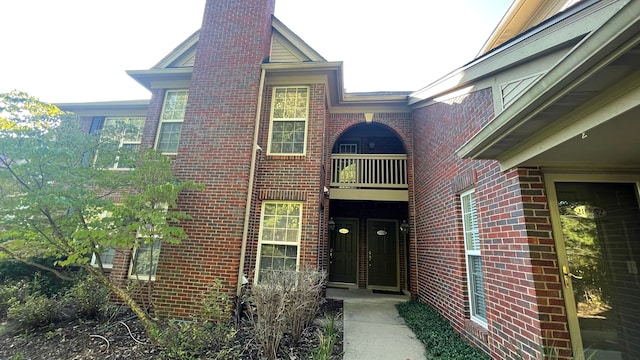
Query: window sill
[(286, 156), (477, 330), (142, 278)]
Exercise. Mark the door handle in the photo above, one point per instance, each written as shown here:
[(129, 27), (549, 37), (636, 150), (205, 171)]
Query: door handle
[(369, 258), (568, 275), (331, 256)]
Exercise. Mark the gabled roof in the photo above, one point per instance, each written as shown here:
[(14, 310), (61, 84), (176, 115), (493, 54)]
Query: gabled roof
[(523, 15), (579, 84), (285, 40), (286, 47), (183, 55)]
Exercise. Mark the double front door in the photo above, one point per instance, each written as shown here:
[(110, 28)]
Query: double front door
[(597, 231), (375, 255)]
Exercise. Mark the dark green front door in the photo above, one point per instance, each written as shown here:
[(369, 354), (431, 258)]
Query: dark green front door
[(343, 253), (382, 255)]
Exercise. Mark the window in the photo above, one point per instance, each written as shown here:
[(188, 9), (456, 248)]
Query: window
[(348, 149), (123, 132), (175, 104), (106, 257), (97, 218), (473, 257), (279, 236), (289, 114), (144, 261)]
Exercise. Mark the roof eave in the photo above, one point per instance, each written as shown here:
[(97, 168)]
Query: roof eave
[(147, 78), (593, 54), (105, 107)]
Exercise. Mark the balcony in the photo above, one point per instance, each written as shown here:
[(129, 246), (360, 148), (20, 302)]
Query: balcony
[(381, 177)]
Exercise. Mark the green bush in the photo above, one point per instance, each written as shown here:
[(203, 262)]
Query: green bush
[(188, 340), (209, 334), (88, 299), (8, 291), (440, 340), (35, 311), (17, 291)]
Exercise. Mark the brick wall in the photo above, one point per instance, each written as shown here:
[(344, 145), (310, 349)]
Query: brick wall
[(215, 150), (522, 285), (295, 178)]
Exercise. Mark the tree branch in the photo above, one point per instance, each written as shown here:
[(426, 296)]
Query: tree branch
[(14, 174), (39, 266)]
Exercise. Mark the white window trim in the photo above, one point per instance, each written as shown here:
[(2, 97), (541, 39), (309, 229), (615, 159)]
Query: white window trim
[(305, 119), (122, 140), (288, 243), (162, 121), (469, 253)]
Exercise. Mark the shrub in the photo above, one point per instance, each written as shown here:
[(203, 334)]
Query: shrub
[(88, 299), (184, 340), (215, 304), (14, 292), (267, 307), (303, 300), (281, 301), (35, 310), (209, 331), (440, 340), (8, 292)]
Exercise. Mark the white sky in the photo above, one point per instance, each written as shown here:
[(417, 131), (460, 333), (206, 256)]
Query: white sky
[(78, 50)]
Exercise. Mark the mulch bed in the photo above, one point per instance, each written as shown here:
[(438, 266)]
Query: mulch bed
[(98, 340)]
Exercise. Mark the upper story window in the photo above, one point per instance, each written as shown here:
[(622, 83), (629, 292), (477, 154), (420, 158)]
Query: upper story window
[(126, 132), (170, 127), (475, 278), (289, 115)]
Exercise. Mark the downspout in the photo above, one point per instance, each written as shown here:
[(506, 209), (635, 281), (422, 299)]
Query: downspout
[(252, 172)]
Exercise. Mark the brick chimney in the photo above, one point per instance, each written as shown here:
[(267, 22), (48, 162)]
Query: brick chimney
[(216, 150)]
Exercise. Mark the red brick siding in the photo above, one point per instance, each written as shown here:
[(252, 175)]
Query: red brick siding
[(215, 150), (295, 178), (524, 300)]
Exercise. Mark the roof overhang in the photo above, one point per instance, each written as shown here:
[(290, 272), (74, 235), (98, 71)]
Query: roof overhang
[(331, 74), (162, 78), (108, 108), (601, 72)]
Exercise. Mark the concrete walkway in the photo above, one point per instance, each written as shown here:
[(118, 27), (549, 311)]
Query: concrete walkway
[(373, 330)]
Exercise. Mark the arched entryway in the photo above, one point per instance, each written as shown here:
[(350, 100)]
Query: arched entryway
[(369, 192)]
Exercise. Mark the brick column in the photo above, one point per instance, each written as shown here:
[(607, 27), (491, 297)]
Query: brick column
[(215, 150)]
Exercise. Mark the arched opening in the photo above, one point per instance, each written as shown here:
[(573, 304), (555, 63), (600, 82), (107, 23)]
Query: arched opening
[(368, 203)]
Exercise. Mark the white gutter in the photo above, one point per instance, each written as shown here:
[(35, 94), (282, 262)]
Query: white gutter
[(252, 172)]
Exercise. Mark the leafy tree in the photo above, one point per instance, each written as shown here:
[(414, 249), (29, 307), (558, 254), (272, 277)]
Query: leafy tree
[(58, 200)]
